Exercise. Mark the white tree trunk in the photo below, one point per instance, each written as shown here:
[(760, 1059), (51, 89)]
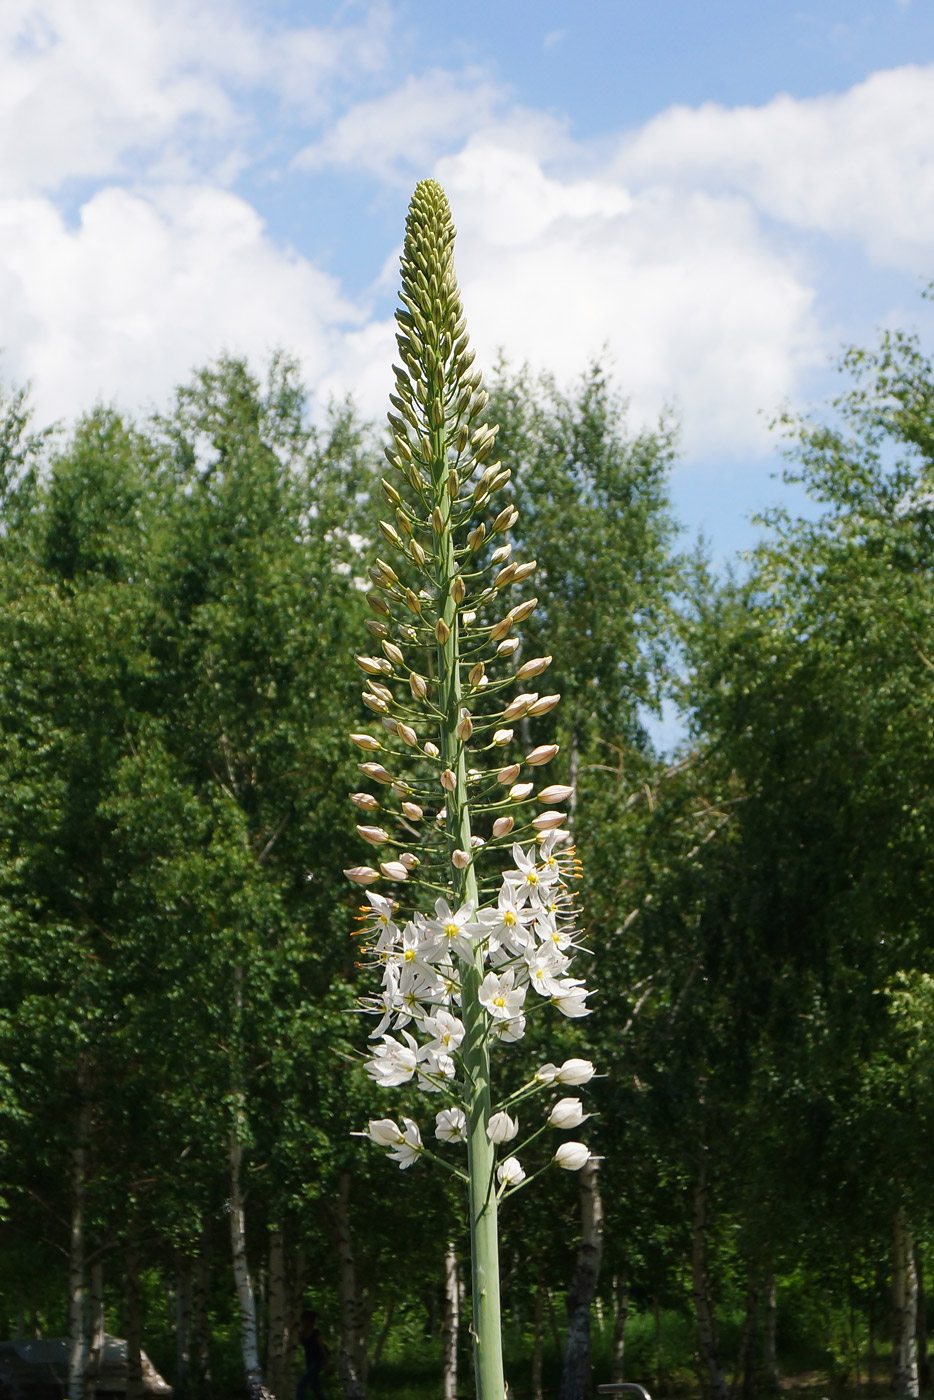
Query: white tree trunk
[(451, 1324), (700, 1283), (77, 1282), (201, 1293), (904, 1309), (249, 1345), (183, 1291), (620, 1314), (352, 1354), (575, 1375)]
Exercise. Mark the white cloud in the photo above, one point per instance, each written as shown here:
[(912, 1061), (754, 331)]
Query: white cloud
[(857, 165), (408, 128), (124, 305)]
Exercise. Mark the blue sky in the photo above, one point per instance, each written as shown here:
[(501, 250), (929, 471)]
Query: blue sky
[(719, 194)]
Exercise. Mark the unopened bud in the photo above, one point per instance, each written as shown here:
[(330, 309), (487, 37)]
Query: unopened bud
[(500, 554), (503, 736), (543, 754), (417, 553), (374, 834), (437, 521), (527, 670), (503, 825), (390, 492), (501, 628), (464, 727), (454, 485), (418, 686), (362, 875), (542, 706), (506, 518), (392, 725), (365, 801), (388, 571), (366, 741), (431, 749), (442, 630), (378, 629), (507, 774), (520, 792), (458, 590), (476, 673), (448, 780), (518, 707), (410, 861), (371, 665), (413, 601), (412, 811), (547, 821), (376, 771), (374, 702), (394, 870), (476, 537), (558, 792), (507, 647), (394, 653), (407, 735), (522, 611), (524, 571), (468, 619), (391, 533), (505, 575), (460, 860)]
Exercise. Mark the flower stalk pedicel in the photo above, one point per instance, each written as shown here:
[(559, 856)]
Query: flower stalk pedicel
[(472, 929)]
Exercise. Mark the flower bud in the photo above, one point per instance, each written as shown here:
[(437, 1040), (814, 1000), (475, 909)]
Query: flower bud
[(507, 516), (412, 811), (503, 825), (476, 537), (518, 707), (409, 861), (507, 648), (362, 874), (476, 842), (371, 665), (505, 576), (544, 753), (500, 629), (525, 571), (501, 553), (388, 572), (502, 1128), (574, 1072), (507, 774), (442, 630), (391, 533), (431, 749), (468, 619), (527, 670), (572, 1156), (476, 673), (546, 1074), (375, 627), (366, 742), (394, 654), (373, 702), (390, 724), (460, 860), (437, 521), (390, 492), (458, 590), (365, 801), (520, 792), (413, 601), (464, 727), (384, 1132), (567, 1113), (510, 1172), (417, 553), (547, 821), (542, 706), (558, 792), (378, 604), (407, 735), (374, 834), (503, 736), (418, 686), (376, 771), (394, 870), (520, 613), (449, 780)]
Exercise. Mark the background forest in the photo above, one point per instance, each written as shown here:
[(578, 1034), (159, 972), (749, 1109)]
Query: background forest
[(180, 601)]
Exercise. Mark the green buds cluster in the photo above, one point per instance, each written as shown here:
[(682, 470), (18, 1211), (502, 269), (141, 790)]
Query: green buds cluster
[(444, 608)]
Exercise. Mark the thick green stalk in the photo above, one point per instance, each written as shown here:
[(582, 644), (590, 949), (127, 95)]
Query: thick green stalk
[(484, 1236)]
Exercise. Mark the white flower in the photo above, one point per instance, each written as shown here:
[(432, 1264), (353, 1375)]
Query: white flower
[(407, 1151), (572, 1156), (394, 1063), (546, 965), (384, 1132), (567, 1113), (451, 1125), (499, 997), (454, 929), (572, 1072), (569, 998), (509, 1031), (510, 1172), (447, 1030), (527, 878), (547, 1074), (437, 1066), (502, 1128)]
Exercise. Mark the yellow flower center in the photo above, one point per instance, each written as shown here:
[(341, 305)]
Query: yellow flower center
[(509, 918), (499, 1001), (451, 930), (531, 878), (409, 954)]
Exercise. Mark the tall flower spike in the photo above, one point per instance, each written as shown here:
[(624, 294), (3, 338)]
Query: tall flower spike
[(473, 919)]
